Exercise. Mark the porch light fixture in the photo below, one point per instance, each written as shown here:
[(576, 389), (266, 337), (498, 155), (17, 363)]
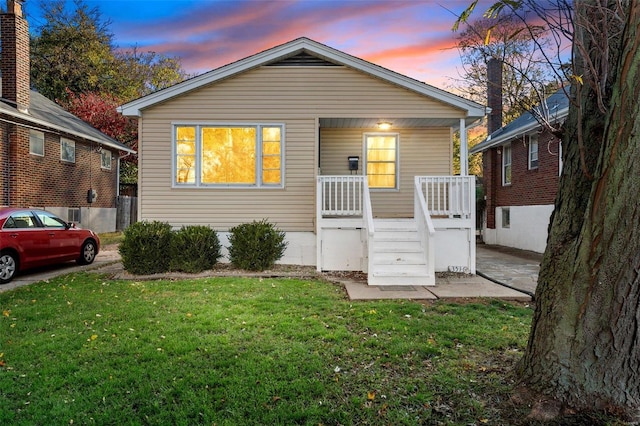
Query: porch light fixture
[(384, 125)]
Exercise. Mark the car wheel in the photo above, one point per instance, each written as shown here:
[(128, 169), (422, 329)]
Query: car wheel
[(8, 267), (88, 253)]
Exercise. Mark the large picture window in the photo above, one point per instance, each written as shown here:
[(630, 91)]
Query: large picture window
[(382, 160), (228, 155)]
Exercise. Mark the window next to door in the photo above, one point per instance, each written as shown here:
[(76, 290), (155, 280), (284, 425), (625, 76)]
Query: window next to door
[(381, 156)]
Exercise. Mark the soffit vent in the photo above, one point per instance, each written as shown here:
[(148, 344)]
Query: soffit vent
[(303, 59)]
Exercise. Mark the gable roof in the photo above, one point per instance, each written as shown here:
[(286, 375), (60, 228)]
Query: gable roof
[(304, 49), (557, 110), (46, 113)]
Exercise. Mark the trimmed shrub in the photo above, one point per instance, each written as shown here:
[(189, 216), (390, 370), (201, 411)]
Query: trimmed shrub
[(256, 246), (145, 247), (194, 249)]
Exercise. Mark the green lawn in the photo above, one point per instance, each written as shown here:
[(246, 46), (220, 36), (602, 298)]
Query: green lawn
[(84, 349)]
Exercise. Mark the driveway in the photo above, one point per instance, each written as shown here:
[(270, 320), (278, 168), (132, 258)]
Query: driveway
[(107, 255), (516, 268)]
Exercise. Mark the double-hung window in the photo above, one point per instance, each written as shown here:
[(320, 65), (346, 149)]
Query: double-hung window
[(533, 152), (506, 165), (381, 153), (36, 142), (67, 150), (228, 155), (105, 159)]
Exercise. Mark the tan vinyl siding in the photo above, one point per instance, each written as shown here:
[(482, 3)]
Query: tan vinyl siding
[(295, 97), (422, 152)]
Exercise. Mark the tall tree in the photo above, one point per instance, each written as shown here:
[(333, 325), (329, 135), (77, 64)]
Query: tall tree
[(584, 347), (144, 72), (72, 50), (525, 72)]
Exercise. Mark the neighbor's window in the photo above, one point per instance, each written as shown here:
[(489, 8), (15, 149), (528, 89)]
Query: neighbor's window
[(67, 150), (73, 215), (36, 142), (506, 217), (105, 159), (506, 165), (382, 160), (533, 151), (210, 155)]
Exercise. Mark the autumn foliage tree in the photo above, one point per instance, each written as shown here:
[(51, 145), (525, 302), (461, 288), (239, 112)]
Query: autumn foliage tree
[(75, 63), (100, 112)]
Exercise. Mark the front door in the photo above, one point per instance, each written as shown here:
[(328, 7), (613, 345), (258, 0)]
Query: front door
[(381, 160)]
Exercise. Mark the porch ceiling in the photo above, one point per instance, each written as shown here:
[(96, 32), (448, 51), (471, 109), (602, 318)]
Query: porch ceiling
[(397, 123)]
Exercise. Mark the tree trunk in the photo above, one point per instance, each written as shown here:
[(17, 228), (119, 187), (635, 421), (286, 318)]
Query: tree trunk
[(584, 347)]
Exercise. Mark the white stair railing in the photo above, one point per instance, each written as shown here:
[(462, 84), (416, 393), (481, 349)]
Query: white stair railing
[(426, 230)]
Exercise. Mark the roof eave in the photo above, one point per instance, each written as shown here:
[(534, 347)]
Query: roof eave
[(502, 139)]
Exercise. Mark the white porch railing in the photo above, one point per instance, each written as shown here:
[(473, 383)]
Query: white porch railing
[(443, 202), (341, 195), (449, 196)]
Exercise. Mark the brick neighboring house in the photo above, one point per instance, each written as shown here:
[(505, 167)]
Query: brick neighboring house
[(521, 166), (50, 158)]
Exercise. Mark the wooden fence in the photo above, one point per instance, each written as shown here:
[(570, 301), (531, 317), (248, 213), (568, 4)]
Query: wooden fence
[(127, 211)]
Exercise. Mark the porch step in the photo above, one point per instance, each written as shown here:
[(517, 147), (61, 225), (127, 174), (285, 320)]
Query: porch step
[(398, 257), (395, 257)]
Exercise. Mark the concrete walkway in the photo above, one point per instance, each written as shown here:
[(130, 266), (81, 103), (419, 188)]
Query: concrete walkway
[(515, 268), (502, 273)]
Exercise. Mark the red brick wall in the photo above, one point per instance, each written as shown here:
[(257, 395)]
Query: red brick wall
[(48, 181), (528, 187), (14, 63)]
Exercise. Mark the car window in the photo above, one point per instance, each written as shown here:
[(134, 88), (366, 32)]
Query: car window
[(20, 220), (51, 221)]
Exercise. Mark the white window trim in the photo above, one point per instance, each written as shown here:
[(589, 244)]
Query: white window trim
[(505, 164), (199, 125), (71, 143), (32, 131), (533, 139), (364, 155), (102, 157)]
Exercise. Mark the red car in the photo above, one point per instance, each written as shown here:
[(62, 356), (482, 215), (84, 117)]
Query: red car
[(30, 238)]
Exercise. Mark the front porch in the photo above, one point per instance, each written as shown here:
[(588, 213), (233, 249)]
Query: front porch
[(438, 237)]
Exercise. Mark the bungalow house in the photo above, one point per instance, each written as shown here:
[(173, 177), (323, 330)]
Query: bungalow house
[(522, 162), (353, 161), (50, 158)]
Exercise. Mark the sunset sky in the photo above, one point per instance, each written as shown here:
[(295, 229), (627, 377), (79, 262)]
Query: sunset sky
[(413, 37)]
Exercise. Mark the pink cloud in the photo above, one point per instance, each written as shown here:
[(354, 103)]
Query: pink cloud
[(400, 35)]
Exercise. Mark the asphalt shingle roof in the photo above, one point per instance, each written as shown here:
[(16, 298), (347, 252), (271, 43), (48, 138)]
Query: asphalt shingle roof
[(558, 106), (44, 112)]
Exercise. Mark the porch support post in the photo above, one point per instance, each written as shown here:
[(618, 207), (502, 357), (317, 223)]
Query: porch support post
[(464, 150)]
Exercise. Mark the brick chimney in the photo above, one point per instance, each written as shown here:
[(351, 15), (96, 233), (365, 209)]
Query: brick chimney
[(14, 58), (494, 94)]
